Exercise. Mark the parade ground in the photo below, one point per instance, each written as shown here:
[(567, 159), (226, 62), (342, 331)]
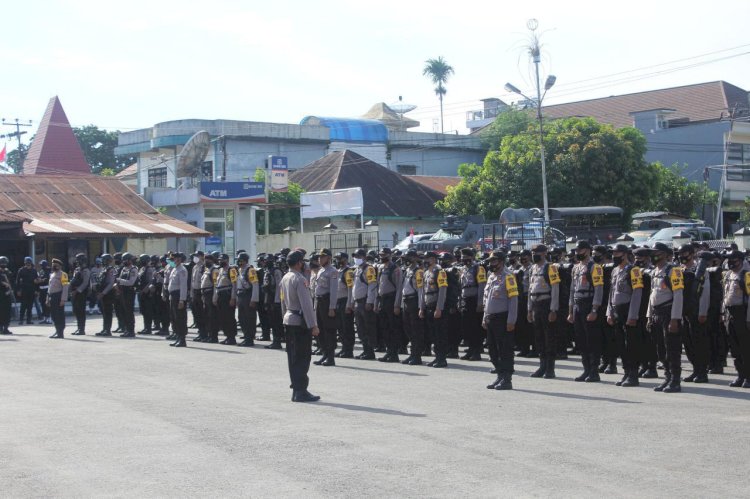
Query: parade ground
[(111, 417)]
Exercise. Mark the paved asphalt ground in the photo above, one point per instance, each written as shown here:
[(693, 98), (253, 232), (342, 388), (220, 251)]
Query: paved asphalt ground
[(111, 417)]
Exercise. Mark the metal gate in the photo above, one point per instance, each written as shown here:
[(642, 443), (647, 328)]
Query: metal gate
[(347, 241)]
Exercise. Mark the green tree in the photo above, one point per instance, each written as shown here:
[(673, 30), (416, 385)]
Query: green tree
[(98, 147), (438, 71), (510, 121), (281, 218), (678, 195), (14, 157), (588, 163)]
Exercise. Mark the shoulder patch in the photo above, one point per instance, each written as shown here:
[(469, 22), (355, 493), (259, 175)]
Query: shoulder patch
[(511, 286), (554, 275), (64, 279), (252, 276), (747, 283), (419, 278), (349, 278), (372, 275), (636, 278), (481, 275), (233, 275), (676, 278), (442, 279), (597, 275)]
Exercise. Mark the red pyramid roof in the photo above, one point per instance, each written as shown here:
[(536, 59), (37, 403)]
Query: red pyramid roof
[(55, 149)]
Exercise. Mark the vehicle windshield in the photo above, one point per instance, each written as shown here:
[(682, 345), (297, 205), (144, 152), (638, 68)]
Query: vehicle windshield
[(640, 236), (665, 234), (444, 235)]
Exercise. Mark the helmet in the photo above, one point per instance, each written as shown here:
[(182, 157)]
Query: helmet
[(28, 259), (445, 255), (215, 255), (143, 260), (372, 254), (243, 257), (117, 256), (106, 258), (81, 258), (4, 260), (154, 258), (44, 263), (127, 257)]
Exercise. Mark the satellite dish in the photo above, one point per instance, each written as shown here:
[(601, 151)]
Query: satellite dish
[(192, 155), (401, 107)]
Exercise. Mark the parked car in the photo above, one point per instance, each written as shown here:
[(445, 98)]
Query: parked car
[(640, 237), (665, 235), (411, 241), (454, 232)]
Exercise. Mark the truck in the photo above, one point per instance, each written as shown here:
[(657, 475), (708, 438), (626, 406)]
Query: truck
[(454, 232)]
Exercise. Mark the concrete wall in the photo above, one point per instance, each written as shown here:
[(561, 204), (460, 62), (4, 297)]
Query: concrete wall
[(147, 246), (245, 156)]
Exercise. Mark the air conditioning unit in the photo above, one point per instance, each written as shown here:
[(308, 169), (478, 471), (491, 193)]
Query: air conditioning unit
[(663, 124)]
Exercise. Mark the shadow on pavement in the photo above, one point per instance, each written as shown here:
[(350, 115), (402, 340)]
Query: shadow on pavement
[(375, 410), (85, 340), (386, 371), (191, 347), (575, 396), (8, 339), (728, 392)]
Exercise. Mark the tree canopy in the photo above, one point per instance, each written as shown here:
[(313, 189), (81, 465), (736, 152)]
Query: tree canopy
[(283, 218)]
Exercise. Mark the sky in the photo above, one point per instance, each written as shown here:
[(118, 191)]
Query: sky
[(128, 65)]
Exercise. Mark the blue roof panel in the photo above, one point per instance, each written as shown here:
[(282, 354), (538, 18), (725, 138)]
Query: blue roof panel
[(351, 129)]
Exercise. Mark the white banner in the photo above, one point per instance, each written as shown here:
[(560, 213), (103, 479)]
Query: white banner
[(332, 203)]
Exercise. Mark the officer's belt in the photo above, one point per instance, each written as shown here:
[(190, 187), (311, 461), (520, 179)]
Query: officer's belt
[(660, 307), (583, 299), (224, 288), (296, 312), (411, 297), (320, 297), (43, 287), (470, 286), (497, 315), (388, 295), (533, 295), (360, 300)]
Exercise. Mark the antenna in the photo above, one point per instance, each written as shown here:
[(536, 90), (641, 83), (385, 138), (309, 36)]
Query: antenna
[(401, 108), (192, 155)]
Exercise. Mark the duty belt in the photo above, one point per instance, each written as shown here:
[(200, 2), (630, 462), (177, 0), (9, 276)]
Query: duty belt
[(496, 315), (224, 288), (43, 287), (296, 312), (662, 306), (411, 297)]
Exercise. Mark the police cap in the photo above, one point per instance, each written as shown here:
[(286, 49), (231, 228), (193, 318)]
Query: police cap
[(583, 244), (642, 252), (467, 252), (385, 250), (621, 248), (661, 247), (497, 255), (243, 257), (430, 254), (342, 254), (411, 253), (294, 258), (539, 248), (325, 252), (706, 255)]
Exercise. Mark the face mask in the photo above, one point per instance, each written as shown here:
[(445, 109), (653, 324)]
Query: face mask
[(171, 263), (733, 263), (580, 256), (536, 258), (684, 259), (55, 268), (385, 259), (617, 260), (223, 264), (467, 262), (598, 258), (358, 261), (656, 258), (640, 263), (196, 259)]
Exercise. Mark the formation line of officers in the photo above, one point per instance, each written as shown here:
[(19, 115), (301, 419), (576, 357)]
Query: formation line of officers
[(638, 305)]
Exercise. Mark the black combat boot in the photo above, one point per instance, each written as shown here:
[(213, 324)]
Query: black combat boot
[(737, 382), (631, 378), (650, 371), (550, 372), (593, 376), (497, 381), (674, 382), (586, 368), (611, 367), (416, 361), (667, 379), (702, 376), (505, 383), (691, 378), (542, 368)]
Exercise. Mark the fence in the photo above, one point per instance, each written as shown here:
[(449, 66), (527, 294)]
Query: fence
[(347, 241), (527, 234)]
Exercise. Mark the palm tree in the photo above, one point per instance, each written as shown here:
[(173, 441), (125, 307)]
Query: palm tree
[(438, 70)]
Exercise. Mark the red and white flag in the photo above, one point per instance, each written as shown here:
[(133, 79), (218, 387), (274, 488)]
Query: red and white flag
[(3, 153)]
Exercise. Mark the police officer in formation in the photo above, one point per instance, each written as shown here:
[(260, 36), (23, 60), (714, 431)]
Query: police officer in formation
[(637, 305)]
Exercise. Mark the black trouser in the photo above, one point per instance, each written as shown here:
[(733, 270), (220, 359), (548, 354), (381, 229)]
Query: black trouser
[(246, 314), (79, 311), (391, 323), (196, 304), (210, 314), (436, 327), (265, 321), (179, 325), (165, 314), (108, 301), (146, 306), (611, 339), (276, 322), (366, 328), (452, 327), (43, 302), (6, 304), (27, 305), (127, 302), (57, 312), (471, 324), (544, 331), (696, 341), (668, 345), (717, 334), (500, 344), (345, 324), (523, 332), (225, 310), (413, 325), (588, 334), (327, 326), (739, 339), (629, 338), (298, 354), (119, 310)]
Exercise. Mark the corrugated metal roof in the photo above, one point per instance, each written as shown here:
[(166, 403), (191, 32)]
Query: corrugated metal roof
[(85, 205), (436, 183)]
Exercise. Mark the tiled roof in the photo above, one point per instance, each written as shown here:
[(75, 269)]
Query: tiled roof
[(436, 183), (130, 171), (385, 193), (700, 102), (85, 205), (55, 148)]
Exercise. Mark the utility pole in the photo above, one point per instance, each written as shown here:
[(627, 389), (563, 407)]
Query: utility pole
[(17, 134)]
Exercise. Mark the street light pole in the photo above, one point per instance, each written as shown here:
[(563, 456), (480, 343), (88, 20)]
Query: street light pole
[(541, 141)]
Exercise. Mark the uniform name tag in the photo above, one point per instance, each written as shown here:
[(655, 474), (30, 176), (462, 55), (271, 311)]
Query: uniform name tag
[(511, 287)]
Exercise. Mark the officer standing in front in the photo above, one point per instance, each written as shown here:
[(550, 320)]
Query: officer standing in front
[(543, 304), (79, 289), (326, 296), (737, 315), (389, 303), (586, 298), (364, 294), (500, 313), (412, 302), (665, 314), (178, 295), (105, 294), (473, 280), (57, 296), (435, 289), (301, 325), (247, 299), (126, 285), (225, 299)]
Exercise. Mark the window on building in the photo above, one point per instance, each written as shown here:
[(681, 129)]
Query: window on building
[(407, 169), (207, 171), (157, 177), (738, 154)]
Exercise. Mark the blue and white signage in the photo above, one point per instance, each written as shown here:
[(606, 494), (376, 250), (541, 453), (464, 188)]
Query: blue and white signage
[(244, 192), (213, 241), (279, 173)]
